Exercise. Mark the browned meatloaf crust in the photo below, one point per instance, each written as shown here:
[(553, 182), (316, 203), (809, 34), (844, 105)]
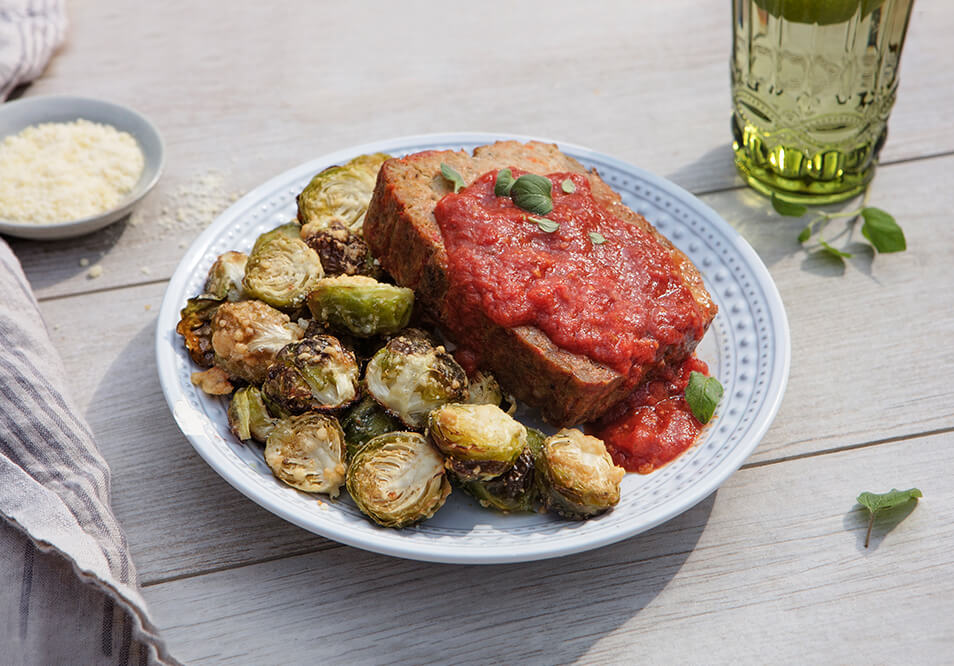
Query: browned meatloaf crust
[(402, 233)]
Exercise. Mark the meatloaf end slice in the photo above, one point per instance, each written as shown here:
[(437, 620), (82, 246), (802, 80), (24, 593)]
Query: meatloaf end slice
[(404, 236)]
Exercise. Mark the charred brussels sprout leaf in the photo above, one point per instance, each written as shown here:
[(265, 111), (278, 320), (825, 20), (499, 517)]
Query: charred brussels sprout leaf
[(248, 415), (225, 276), (281, 270), (246, 336), (410, 377), (340, 193), (343, 252), (314, 374), (515, 490), (365, 421), (361, 305), (578, 476), (195, 326), (479, 442), (308, 452), (398, 479)]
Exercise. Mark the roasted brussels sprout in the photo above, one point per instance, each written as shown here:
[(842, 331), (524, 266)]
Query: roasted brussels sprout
[(281, 270), (339, 193), (579, 479), (247, 335), (308, 453), (484, 390), (479, 442), (365, 421), (398, 479), (361, 305), (225, 276), (314, 374), (249, 417), (195, 326), (410, 376), (343, 252), (517, 489)]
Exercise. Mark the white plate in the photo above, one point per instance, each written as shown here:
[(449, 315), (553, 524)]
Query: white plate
[(20, 114), (747, 348)]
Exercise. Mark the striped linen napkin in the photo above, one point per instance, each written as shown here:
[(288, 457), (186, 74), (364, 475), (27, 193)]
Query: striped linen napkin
[(70, 593), (30, 31)]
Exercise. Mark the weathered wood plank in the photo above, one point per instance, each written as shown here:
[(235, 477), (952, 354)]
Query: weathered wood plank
[(771, 569), (243, 93), (869, 362)]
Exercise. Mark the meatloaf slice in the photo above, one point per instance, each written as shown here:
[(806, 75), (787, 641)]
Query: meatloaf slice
[(404, 236)]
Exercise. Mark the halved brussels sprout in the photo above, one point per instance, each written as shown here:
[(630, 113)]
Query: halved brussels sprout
[(225, 276), (281, 270), (410, 376), (484, 390), (517, 489), (479, 442), (365, 421), (361, 305), (578, 476), (398, 479), (246, 337), (308, 452), (195, 326), (343, 252), (314, 374), (339, 193), (248, 415)]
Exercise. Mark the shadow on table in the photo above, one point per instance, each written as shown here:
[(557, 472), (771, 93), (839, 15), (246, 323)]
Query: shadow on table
[(42, 259)]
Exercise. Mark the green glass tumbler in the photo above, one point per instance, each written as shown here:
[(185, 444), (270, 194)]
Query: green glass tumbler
[(813, 83)]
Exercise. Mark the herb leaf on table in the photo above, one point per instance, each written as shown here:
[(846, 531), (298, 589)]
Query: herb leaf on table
[(876, 502)]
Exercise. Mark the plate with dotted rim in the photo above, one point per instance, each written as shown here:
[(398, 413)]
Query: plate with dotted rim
[(747, 347)]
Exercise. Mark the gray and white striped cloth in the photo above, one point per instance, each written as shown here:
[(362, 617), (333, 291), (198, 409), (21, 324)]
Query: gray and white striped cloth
[(69, 593), (30, 31)]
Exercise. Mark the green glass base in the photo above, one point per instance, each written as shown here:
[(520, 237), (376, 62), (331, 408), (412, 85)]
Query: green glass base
[(802, 191)]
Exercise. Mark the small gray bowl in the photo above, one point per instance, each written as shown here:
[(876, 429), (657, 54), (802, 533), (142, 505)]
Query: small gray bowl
[(18, 115)]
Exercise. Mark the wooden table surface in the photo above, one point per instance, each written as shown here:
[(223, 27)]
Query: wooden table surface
[(770, 568)]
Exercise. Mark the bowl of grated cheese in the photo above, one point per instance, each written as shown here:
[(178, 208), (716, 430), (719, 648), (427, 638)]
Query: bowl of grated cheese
[(72, 165)]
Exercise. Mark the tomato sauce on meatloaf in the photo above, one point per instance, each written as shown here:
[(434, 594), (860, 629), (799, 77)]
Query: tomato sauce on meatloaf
[(596, 285)]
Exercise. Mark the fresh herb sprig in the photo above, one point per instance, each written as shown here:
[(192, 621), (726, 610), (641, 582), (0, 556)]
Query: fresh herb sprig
[(454, 178), (875, 502), (879, 228)]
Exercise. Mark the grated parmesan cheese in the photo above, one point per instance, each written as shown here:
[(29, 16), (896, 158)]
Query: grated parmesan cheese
[(58, 172)]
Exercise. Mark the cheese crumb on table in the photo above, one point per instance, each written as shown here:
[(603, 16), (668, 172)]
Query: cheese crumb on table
[(95, 272), (59, 172)]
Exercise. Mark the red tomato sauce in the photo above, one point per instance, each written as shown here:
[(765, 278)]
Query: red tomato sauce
[(654, 425), (616, 302)]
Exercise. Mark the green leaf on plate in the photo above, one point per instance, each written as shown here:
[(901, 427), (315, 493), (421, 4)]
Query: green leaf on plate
[(546, 225), (533, 194), (882, 231), (876, 502), (787, 209), (703, 394), (504, 182), (453, 177), (805, 234)]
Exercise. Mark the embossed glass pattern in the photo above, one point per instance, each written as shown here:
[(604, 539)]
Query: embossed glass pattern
[(813, 83)]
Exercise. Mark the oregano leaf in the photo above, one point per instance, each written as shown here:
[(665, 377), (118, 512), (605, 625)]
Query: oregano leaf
[(504, 182), (876, 502), (703, 395), (568, 186), (453, 177), (532, 193), (834, 251), (786, 208), (882, 231), (549, 226), (597, 238), (805, 234)]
